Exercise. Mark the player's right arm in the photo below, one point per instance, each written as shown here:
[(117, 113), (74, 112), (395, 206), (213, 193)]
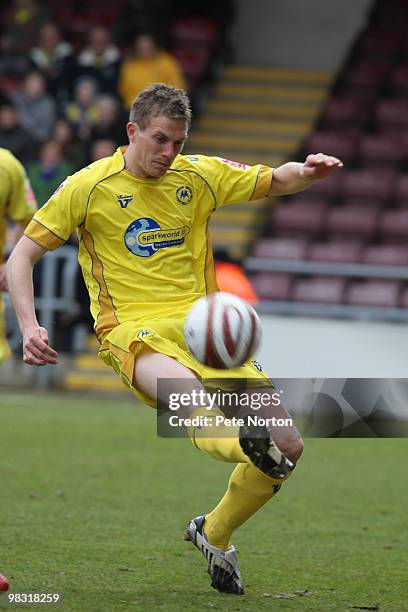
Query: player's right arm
[(50, 227), (25, 255)]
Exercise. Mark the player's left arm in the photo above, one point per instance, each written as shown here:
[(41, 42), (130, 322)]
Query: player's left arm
[(294, 176)]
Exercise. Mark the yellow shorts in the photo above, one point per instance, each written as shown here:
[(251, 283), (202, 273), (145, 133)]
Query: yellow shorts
[(4, 346), (122, 345)]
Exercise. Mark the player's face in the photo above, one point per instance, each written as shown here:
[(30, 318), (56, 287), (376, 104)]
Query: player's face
[(153, 149)]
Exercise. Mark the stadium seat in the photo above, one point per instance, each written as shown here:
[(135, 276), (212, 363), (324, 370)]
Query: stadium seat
[(404, 298), (342, 145), (319, 290), (342, 251), (281, 248), (374, 293), (399, 80), (391, 114), (383, 150), (374, 184), (301, 218), (344, 112), (365, 77), (401, 190), (272, 286), (194, 63), (386, 254), (389, 14), (328, 189), (355, 221), (194, 32), (394, 224), (377, 43)]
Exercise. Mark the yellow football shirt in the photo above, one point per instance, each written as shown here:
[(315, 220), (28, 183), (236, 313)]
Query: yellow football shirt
[(17, 203), (143, 242)]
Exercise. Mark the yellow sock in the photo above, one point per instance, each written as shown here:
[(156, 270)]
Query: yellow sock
[(218, 441), (248, 490)]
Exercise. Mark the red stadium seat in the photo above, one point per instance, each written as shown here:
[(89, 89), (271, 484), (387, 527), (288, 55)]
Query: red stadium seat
[(343, 251), (371, 183), (404, 298), (390, 14), (374, 293), (394, 224), (399, 80), (391, 114), (401, 190), (356, 221), (344, 112), (281, 248), (193, 32), (272, 286), (365, 76), (386, 255), (302, 218), (319, 290), (377, 43), (194, 62), (342, 145), (384, 149), (329, 188)]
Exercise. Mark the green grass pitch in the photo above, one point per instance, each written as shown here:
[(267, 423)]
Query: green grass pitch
[(93, 505)]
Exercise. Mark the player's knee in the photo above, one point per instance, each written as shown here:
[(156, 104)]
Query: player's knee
[(293, 448)]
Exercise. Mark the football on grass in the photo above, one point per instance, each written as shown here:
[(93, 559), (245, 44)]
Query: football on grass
[(222, 330)]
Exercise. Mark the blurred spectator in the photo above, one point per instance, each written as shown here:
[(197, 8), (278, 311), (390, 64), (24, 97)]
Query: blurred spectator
[(147, 64), (232, 278), (139, 16), (36, 109), (13, 67), (81, 112), (100, 60), (72, 148), (101, 149), (110, 121), (53, 57), (49, 171), (21, 24), (13, 136)]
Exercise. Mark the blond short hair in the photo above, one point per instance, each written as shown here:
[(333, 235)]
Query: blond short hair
[(160, 99)]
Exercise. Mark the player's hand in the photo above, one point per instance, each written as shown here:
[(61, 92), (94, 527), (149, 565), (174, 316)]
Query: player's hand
[(36, 350), (3, 279), (318, 166)]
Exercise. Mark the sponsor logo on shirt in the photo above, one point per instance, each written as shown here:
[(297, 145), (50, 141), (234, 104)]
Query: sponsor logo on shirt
[(144, 237), (61, 186), (143, 333), (257, 365), (124, 200), (184, 193), (233, 163)]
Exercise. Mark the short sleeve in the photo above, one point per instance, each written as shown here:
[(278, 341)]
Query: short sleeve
[(233, 181), (53, 224), (22, 204)]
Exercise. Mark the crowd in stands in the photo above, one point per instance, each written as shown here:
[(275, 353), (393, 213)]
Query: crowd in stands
[(70, 71)]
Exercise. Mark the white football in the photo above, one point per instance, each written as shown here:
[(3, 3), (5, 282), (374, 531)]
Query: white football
[(222, 330)]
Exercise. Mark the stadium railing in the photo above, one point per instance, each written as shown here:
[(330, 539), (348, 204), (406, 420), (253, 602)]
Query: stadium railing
[(57, 294), (330, 269)]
